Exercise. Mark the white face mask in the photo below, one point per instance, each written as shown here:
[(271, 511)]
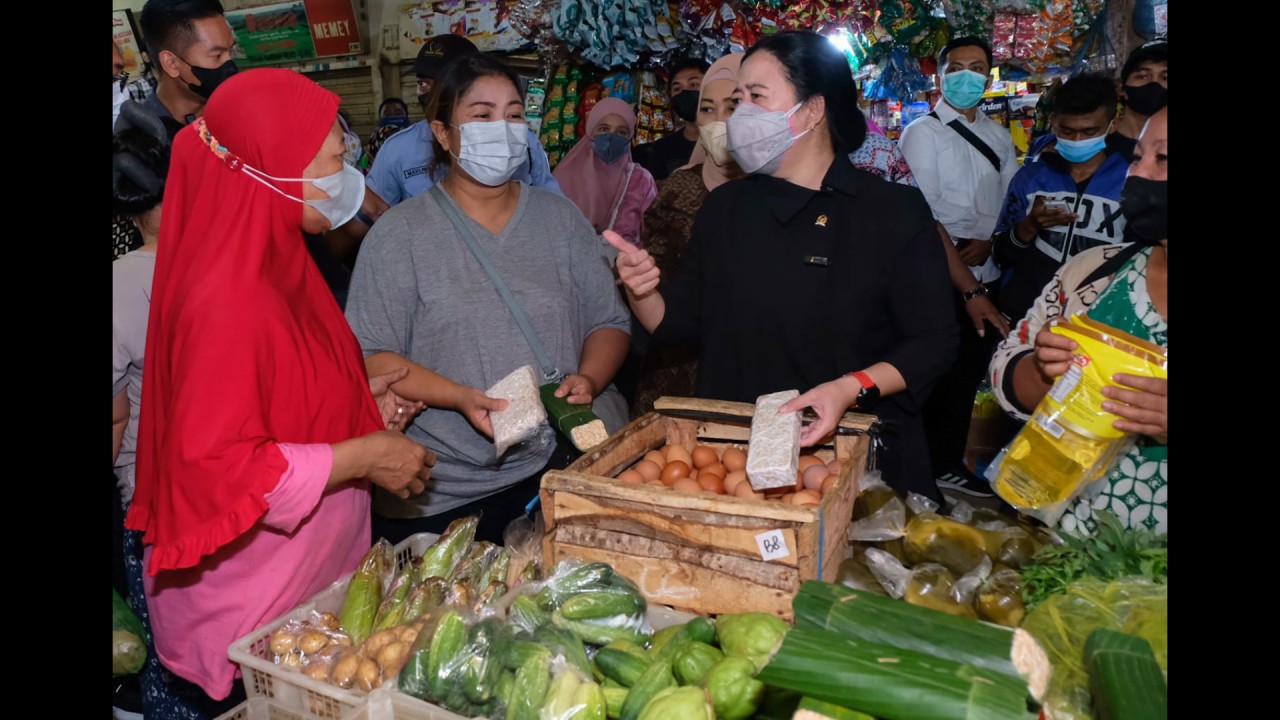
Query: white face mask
[(715, 140), (758, 138), (345, 189), (118, 97), (492, 151)]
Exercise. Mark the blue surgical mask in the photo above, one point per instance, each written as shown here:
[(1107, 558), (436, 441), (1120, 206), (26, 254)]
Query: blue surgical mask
[(963, 88), (400, 121), (1078, 151), (610, 146)]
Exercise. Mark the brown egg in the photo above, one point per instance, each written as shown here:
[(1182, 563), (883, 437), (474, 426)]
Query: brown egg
[(814, 475), (745, 491), (687, 484), (711, 482), (704, 456), (631, 476), (676, 453), (806, 497), (808, 461), (732, 479), (734, 459), (828, 482), (715, 468), (648, 470), (674, 470), (656, 457), (657, 483), (834, 467)]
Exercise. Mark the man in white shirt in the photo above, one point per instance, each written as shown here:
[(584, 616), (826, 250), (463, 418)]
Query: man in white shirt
[(963, 162)]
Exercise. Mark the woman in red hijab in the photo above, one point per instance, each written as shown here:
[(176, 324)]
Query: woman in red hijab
[(599, 177), (259, 434)]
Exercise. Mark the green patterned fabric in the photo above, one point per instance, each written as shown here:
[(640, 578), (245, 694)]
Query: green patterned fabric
[(1137, 489)]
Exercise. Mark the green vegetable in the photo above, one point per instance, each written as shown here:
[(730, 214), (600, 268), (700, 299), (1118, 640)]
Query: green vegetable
[(596, 605), (735, 693), (559, 702), (1110, 553), (506, 683), (614, 698), (564, 643), (447, 647), (491, 594), (519, 652), (530, 690), (692, 661), (671, 639), (662, 638), (416, 673), (630, 647), (526, 614), (425, 597), (654, 680), (679, 703), (482, 664), (497, 570), (442, 557), (590, 701), (392, 609), (584, 578), (128, 652), (754, 636), (589, 632), (701, 629), (364, 595), (620, 665), (873, 618), (1125, 678), (891, 683)]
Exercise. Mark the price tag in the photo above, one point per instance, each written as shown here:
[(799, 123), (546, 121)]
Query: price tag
[(772, 545)]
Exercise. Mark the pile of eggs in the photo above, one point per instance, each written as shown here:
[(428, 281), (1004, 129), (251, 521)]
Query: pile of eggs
[(724, 472)]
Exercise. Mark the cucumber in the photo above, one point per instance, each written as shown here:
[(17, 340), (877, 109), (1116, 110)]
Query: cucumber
[(613, 701), (589, 632), (701, 629), (595, 605), (530, 688), (559, 702), (519, 652), (620, 665), (483, 663), (447, 644), (654, 680), (590, 703)]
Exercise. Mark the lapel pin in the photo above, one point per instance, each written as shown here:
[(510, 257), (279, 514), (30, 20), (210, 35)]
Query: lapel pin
[(821, 221)]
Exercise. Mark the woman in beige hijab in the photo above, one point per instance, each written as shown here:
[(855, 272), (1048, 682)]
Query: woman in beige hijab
[(669, 221)]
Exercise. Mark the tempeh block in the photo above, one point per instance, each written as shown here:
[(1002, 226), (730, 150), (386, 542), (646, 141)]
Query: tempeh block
[(773, 454)]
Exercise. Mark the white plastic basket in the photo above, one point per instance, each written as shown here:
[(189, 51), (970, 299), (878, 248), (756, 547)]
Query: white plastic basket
[(387, 704), (288, 688), (260, 708)]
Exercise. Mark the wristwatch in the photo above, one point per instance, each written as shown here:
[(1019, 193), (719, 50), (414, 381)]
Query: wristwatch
[(869, 395), (971, 294)]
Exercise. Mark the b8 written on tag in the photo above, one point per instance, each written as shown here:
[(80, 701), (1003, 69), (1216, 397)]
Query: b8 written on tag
[(772, 545)]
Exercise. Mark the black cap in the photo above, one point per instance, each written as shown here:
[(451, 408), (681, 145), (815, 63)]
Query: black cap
[(439, 50), (1157, 50)]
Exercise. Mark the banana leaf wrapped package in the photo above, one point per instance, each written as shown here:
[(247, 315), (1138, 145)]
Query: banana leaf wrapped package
[(364, 593)]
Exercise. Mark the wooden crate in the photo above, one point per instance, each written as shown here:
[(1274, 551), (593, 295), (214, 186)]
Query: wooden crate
[(700, 551)]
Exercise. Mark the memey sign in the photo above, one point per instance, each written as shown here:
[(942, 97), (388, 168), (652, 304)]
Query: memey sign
[(333, 27)]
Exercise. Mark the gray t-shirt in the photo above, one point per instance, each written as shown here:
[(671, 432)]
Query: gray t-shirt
[(418, 291), (130, 305)]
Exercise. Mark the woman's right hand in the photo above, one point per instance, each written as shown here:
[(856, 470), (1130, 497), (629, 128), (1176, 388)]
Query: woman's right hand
[(636, 269), (1053, 353), (475, 406), (397, 463)]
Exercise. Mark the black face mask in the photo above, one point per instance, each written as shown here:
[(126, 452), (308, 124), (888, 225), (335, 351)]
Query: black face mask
[(686, 105), (211, 78), (1145, 206), (1146, 99)]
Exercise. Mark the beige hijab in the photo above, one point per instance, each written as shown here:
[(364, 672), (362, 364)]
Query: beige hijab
[(726, 68)]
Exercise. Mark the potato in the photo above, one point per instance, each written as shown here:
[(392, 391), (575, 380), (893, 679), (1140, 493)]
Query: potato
[(316, 670), (312, 641), (329, 653), (293, 659), (340, 639), (329, 621), (391, 657), (377, 641), (368, 675), (282, 641), (344, 669), (409, 635)]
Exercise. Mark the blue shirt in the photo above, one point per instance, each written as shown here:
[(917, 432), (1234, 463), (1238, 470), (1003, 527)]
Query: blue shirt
[(400, 170)]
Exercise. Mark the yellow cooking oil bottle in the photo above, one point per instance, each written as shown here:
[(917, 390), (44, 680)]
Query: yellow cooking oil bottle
[(1070, 441)]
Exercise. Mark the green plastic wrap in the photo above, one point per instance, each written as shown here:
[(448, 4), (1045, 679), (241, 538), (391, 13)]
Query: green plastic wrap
[(1063, 622)]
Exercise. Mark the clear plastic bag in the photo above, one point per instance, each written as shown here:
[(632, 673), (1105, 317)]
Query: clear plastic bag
[(524, 416), (128, 651), (891, 573), (522, 539)]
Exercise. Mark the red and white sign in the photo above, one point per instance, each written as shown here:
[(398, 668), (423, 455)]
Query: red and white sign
[(333, 27)]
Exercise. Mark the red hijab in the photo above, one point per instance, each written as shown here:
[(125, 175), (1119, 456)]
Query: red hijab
[(246, 346), (591, 183)]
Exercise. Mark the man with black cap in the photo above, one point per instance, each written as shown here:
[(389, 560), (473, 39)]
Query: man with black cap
[(400, 171), (671, 152), (190, 41), (1144, 89)]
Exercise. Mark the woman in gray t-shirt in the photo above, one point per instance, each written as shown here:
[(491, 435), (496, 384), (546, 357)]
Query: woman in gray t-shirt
[(419, 295)]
